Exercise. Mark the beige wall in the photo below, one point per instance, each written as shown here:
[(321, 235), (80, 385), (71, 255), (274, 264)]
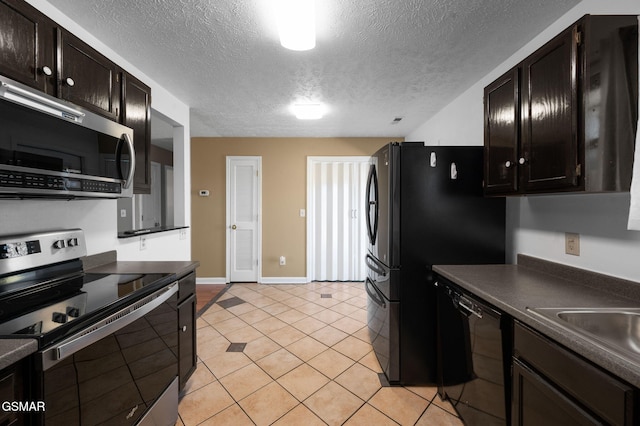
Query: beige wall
[(284, 184)]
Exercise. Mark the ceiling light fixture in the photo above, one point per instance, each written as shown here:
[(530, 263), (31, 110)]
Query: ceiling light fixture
[(296, 23), (308, 111)]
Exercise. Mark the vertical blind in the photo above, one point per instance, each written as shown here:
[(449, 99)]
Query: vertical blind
[(336, 221)]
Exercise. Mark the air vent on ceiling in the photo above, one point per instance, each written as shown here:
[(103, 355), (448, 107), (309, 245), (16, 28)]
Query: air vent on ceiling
[(396, 120)]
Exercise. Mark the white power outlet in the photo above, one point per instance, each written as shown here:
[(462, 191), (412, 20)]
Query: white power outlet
[(572, 243), (283, 260), (123, 212), (182, 234), (143, 243)]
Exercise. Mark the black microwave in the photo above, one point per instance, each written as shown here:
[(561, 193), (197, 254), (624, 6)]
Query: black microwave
[(54, 149)]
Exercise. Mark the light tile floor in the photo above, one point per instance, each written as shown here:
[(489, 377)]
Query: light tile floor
[(307, 361)]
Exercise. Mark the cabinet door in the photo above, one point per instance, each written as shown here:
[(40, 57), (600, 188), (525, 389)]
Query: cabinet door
[(550, 107), (12, 389), (87, 78), (136, 113), (27, 46), (502, 133), (187, 357), (536, 402)]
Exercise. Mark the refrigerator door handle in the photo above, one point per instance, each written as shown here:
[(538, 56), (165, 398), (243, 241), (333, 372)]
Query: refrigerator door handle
[(374, 294), (372, 183), (374, 265)]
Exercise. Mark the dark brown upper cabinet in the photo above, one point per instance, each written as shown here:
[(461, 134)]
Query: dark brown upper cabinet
[(27, 46), (549, 145), (502, 133), (564, 119), (136, 114), (36, 51), (87, 78)]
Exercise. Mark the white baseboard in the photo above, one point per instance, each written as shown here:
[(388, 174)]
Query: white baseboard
[(283, 280), (211, 280)]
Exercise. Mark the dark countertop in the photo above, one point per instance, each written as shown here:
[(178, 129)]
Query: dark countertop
[(13, 350), (539, 284), (179, 268), (147, 231)]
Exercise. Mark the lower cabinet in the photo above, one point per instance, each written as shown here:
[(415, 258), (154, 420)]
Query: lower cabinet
[(12, 390), (553, 386), (187, 355)]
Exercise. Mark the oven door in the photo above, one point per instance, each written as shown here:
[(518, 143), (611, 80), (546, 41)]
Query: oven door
[(122, 370)]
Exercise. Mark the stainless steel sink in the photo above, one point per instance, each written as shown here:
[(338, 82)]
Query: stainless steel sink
[(615, 329)]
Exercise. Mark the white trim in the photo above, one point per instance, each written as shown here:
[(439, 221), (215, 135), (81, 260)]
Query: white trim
[(310, 208), (228, 213), (211, 280), (283, 280)]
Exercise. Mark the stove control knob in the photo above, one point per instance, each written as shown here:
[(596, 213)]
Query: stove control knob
[(59, 317), (59, 244), (73, 312), (72, 242)]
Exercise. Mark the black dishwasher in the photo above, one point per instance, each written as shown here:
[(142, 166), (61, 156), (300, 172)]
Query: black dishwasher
[(473, 340)]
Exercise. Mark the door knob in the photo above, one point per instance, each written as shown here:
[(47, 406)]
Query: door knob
[(234, 227)]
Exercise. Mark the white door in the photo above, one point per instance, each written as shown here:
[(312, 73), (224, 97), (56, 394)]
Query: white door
[(243, 218), (336, 234)]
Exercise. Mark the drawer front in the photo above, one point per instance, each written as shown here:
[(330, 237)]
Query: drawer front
[(187, 286), (606, 396)]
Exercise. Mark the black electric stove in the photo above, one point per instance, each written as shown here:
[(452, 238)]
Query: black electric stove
[(48, 301)]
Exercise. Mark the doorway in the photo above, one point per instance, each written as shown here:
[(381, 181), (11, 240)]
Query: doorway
[(244, 219), (336, 233)]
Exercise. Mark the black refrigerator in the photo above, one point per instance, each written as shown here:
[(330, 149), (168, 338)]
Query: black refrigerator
[(425, 207)]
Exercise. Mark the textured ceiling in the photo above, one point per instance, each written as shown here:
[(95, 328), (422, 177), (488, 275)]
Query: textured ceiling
[(374, 59)]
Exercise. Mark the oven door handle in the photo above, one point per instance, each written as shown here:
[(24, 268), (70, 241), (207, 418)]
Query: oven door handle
[(107, 326)]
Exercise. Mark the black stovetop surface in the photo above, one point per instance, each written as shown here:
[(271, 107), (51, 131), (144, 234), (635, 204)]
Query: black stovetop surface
[(50, 306)]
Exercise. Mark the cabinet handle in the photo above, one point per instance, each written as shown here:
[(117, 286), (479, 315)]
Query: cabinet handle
[(507, 164), (522, 160), (70, 82), (184, 328), (46, 70)]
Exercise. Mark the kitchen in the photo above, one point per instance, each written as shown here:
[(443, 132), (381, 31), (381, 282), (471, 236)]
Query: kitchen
[(536, 224)]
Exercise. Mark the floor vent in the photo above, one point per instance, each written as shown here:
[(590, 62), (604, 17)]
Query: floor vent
[(228, 303), (236, 347)]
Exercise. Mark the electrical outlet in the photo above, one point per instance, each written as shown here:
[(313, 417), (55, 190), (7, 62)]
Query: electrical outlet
[(143, 243), (182, 234), (283, 260), (123, 212), (572, 243)]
